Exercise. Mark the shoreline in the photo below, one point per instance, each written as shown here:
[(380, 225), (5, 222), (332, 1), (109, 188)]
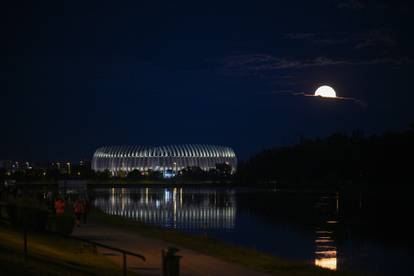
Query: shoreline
[(123, 183), (249, 258)]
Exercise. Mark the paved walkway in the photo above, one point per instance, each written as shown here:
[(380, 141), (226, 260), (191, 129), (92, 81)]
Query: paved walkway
[(192, 263)]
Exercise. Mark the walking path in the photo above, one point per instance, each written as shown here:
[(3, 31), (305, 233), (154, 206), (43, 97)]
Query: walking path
[(192, 263)]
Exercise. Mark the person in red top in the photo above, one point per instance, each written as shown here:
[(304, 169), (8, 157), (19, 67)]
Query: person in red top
[(79, 209), (59, 206)]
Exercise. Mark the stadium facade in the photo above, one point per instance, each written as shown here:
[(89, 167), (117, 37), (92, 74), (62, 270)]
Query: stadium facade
[(171, 158)]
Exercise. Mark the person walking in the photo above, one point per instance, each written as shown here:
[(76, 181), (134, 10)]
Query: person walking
[(59, 206), (79, 210)]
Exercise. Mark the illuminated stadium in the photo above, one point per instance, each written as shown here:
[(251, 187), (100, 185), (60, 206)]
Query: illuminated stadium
[(171, 158)]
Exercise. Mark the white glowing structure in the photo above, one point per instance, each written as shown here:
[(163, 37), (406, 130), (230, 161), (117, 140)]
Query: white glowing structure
[(174, 158)]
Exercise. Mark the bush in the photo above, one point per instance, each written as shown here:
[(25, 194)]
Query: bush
[(33, 218), (64, 224), (28, 212), (12, 213)]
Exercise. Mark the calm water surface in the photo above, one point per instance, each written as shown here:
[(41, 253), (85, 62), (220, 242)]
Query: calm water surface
[(320, 228)]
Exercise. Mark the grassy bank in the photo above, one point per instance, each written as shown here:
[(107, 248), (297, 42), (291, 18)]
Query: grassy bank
[(49, 255), (210, 246)]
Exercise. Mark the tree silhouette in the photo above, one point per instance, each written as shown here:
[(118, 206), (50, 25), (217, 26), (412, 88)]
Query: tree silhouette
[(337, 161)]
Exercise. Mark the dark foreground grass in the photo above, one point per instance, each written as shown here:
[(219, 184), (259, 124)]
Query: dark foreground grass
[(210, 246), (49, 255)]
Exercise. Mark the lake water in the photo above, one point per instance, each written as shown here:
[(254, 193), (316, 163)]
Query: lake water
[(325, 229)]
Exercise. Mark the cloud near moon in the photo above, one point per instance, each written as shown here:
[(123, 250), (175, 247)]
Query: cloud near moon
[(327, 93)]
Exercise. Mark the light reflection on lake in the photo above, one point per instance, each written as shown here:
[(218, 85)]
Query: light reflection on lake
[(172, 208), (312, 227), (325, 247)]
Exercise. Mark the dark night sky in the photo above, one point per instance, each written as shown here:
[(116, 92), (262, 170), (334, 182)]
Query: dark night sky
[(76, 76)]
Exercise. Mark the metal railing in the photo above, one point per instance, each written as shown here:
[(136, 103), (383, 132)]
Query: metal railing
[(97, 244), (93, 243)]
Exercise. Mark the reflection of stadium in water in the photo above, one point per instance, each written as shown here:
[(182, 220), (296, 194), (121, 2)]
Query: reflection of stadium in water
[(188, 209)]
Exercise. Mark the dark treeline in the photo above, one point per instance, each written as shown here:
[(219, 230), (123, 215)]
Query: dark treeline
[(338, 161)]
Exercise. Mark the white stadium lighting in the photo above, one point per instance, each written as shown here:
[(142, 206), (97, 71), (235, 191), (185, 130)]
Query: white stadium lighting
[(117, 159)]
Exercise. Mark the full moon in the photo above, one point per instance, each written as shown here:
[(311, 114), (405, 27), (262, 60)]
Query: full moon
[(326, 92)]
